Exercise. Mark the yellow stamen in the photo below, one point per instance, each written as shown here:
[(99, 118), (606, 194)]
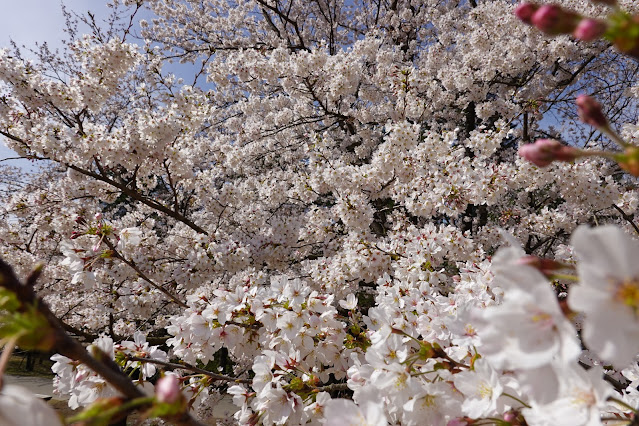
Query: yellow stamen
[(627, 292)]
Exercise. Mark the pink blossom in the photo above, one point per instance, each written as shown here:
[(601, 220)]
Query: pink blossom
[(510, 416), (18, 406)]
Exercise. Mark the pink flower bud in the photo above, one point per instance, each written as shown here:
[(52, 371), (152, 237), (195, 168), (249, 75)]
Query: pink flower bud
[(590, 111), (525, 12), (590, 29), (545, 266), (553, 20), (509, 417), (167, 389), (98, 216), (545, 151)]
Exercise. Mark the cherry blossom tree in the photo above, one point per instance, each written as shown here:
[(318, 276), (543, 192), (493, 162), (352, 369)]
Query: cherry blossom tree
[(301, 204)]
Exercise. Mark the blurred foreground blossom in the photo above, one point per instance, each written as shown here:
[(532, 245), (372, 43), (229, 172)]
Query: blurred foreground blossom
[(19, 407), (608, 293)]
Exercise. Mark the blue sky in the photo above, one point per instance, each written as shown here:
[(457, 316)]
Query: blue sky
[(31, 21)]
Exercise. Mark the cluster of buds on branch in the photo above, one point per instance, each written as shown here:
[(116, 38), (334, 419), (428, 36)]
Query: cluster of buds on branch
[(555, 20), (620, 28), (545, 151)]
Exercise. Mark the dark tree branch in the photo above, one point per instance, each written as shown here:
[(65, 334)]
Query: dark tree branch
[(627, 217), (185, 366), (139, 197), (71, 348), (142, 275)]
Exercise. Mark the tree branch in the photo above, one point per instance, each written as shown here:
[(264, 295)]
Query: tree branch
[(185, 366), (69, 347), (142, 275), (627, 217), (139, 197)]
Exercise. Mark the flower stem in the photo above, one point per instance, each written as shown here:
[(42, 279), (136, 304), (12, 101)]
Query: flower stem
[(516, 399), (565, 277), (597, 153), (623, 404), (616, 419), (607, 130)]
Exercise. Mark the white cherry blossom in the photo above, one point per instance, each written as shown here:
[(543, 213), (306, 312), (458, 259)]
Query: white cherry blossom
[(608, 292)]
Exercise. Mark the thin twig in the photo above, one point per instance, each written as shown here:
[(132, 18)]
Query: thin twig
[(142, 275), (614, 382), (139, 197), (627, 217), (336, 387), (185, 366)]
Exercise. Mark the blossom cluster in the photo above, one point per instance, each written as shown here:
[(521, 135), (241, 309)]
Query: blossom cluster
[(84, 386), (495, 341), (313, 223)]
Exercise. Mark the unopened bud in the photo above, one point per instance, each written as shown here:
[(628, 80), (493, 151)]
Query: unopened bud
[(590, 111), (590, 29), (545, 266), (98, 216), (553, 20), (525, 12), (107, 407), (167, 389), (545, 151), (510, 416)]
